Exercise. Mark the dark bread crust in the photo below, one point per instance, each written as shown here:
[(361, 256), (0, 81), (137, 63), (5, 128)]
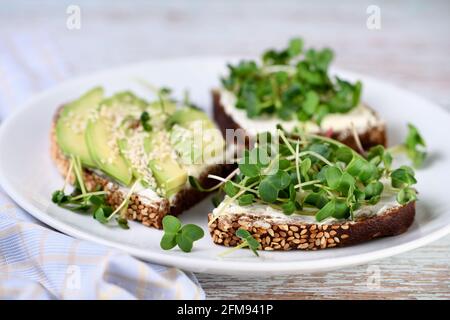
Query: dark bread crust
[(138, 209), (371, 137), (294, 235)]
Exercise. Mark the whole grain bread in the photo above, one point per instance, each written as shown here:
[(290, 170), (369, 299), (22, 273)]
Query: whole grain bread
[(139, 209), (372, 136), (290, 234)]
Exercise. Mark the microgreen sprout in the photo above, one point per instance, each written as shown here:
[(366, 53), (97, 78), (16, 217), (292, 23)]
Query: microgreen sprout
[(175, 234), (413, 147), (80, 200), (247, 241), (145, 121), (291, 83), (314, 175)]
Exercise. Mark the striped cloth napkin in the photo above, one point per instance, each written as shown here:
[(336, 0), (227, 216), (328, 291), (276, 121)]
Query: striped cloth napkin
[(39, 263)]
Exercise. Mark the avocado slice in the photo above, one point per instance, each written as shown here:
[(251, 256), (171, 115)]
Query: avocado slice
[(185, 135), (72, 122), (123, 148), (169, 175), (98, 137), (166, 106), (187, 115)]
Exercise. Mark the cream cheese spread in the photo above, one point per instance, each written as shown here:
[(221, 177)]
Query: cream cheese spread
[(361, 117)]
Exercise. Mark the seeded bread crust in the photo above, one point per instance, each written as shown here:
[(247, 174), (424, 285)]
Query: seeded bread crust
[(294, 235), (371, 137), (149, 214)]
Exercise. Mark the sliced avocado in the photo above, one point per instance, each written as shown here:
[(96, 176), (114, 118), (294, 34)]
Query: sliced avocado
[(187, 115), (169, 175), (194, 143), (167, 106), (72, 123), (125, 100), (110, 161), (123, 147)]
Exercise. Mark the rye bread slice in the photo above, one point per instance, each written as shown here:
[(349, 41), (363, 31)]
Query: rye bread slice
[(372, 136), (149, 213), (295, 235)]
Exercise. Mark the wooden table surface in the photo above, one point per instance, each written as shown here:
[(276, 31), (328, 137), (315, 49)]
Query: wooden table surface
[(411, 50)]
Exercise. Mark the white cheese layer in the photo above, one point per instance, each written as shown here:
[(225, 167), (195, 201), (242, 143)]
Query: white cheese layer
[(387, 202), (361, 117)]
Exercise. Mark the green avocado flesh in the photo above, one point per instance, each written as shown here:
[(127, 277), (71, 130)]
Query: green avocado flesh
[(186, 116), (196, 128), (71, 125), (98, 137), (88, 126), (169, 175)]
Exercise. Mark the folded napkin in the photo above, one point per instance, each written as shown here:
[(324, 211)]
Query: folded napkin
[(39, 263)]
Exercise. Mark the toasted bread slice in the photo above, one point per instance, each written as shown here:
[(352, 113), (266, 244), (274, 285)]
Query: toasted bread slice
[(372, 135), (294, 234), (149, 212)]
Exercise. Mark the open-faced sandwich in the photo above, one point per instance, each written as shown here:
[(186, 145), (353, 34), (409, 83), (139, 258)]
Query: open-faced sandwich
[(294, 87), (302, 191), (130, 159)]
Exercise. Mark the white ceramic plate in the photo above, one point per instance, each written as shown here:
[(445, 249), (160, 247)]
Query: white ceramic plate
[(29, 176)]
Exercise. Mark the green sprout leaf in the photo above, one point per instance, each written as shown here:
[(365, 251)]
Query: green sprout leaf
[(305, 165), (335, 208), (189, 233), (344, 154), (311, 102), (246, 199), (271, 185), (230, 189), (295, 47), (123, 223), (171, 224), (333, 177), (406, 195), (289, 207), (175, 234), (373, 189), (415, 146), (100, 215), (195, 183), (168, 241), (248, 240), (145, 121), (403, 177)]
